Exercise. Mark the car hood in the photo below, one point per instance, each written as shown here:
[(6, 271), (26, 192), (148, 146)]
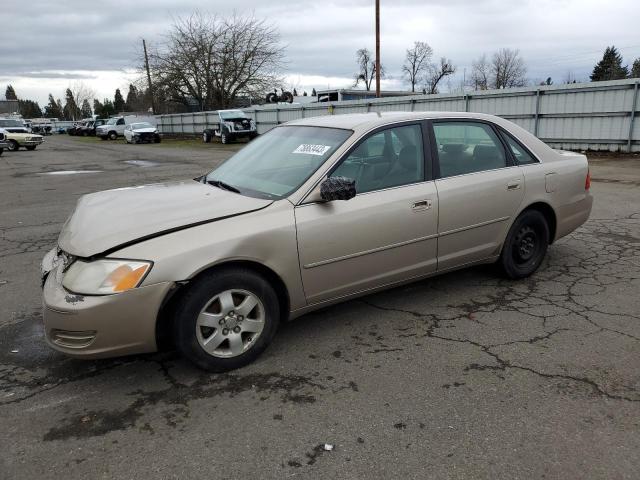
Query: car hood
[(145, 130), (107, 220), (22, 136)]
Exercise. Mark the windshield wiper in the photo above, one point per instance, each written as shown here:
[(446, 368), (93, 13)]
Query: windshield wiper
[(222, 185)]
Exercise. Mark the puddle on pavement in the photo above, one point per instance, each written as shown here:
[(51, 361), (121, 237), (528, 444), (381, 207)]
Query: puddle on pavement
[(69, 172), (141, 163)]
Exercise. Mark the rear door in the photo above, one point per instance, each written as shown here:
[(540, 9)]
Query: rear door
[(386, 233), (479, 190)]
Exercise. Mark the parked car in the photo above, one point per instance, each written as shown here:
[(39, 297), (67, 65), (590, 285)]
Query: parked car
[(230, 125), (16, 140), (89, 129), (142, 132), (75, 129), (114, 127), (314, 212), (3, 140), (13, 125)]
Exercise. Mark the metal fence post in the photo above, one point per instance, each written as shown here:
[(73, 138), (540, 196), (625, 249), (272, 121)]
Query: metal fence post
[(466, 102), (633, 117), (277, 116), (537, 116)]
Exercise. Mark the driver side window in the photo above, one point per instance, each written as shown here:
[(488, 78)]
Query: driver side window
[(389, 158)]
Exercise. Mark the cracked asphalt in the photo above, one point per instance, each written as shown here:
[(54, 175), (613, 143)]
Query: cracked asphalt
[(466, 375)]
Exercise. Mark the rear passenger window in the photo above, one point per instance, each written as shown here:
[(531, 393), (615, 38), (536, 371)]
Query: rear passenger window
[(467, 147), (389, 158), (520, 154)]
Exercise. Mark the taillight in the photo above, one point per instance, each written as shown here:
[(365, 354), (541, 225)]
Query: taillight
[(587, 182)]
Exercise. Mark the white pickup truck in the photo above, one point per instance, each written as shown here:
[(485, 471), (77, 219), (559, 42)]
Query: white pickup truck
[(114, 127), (230, 125)]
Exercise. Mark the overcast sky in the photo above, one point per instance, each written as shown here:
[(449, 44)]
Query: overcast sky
[(47, 45)]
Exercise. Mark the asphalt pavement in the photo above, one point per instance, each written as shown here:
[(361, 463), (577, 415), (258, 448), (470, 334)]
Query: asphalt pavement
[(466, 375)]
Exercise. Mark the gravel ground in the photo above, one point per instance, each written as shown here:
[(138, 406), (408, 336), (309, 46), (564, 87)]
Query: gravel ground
[(461, 376)]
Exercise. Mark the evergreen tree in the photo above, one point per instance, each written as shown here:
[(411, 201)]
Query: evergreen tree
[(118, 101), (610, 67), (97, 107), (10, 93), (85, 110), (52, 109), (635, 69), (104, 109), (60, 109), (295, 92), (313, 93), (132, 103), (29, 109), (70, 110)]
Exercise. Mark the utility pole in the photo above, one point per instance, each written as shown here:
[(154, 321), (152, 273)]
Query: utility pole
[(377, 48), (146, 64)]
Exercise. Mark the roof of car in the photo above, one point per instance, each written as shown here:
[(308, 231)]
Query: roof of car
[(359, 121)]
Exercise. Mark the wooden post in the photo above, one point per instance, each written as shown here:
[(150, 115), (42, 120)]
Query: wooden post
[(146, 64), (377, 48)]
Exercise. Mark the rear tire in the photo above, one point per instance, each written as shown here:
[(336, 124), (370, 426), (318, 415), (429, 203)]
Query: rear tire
[(206, 137), (525, 246), (113, 136), (237, 335), (1, 150)]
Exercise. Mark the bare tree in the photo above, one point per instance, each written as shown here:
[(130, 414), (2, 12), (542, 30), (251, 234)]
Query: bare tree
[(505, 70), (508, 69), (366, 68), (437, 73), (417, 62), (210, 60), (81, 92), (481, 71)]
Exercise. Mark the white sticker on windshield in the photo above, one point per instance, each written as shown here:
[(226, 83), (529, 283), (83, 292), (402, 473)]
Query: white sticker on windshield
[(310, 149)]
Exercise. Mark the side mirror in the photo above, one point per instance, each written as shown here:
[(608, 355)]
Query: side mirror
[(337, 188)]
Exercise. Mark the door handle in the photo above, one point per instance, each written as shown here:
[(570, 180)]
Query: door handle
[(513, 186), (421, 205)]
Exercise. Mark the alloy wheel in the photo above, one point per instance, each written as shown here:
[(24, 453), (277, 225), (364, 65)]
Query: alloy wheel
[(230, 323)]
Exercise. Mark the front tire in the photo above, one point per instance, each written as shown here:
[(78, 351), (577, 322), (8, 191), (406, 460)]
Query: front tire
[(13, 146), (31, 147), (224, 138), (226, 319), (525, 246)]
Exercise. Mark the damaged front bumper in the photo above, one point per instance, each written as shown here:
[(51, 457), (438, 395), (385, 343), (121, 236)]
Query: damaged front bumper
[(98, 326)]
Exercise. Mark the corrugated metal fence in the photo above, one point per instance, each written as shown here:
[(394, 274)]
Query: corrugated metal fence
[(588, 116)]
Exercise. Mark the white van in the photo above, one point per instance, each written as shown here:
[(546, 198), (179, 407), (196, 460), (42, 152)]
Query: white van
[(114, 127)]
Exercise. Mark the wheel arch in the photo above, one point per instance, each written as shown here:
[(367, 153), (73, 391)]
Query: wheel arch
[(549, 215), (164, 321)]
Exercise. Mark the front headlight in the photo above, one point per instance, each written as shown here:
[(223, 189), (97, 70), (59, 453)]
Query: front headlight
[(104, 277)]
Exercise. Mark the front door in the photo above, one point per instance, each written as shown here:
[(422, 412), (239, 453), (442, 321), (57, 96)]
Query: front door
[(386, 233), (479, 191)]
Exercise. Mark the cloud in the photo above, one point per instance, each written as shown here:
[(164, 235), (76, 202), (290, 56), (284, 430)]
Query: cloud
[(50, 75), (71, 40)]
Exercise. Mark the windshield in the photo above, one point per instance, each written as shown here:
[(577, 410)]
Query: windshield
[(277, 163), (232, 114), (6, 122), (135, 126)]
